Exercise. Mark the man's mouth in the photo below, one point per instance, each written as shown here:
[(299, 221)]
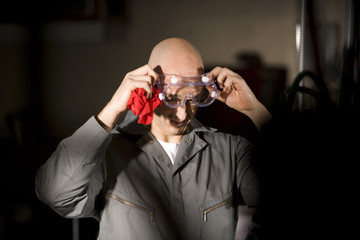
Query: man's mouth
[(177, 123)]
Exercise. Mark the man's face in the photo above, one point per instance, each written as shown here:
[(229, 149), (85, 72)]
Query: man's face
[(169, 122), (172, 121)]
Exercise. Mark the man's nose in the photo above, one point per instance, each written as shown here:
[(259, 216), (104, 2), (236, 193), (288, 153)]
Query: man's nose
[(181, 112)]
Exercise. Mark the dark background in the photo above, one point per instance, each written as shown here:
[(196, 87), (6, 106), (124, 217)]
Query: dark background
[(61, 61)]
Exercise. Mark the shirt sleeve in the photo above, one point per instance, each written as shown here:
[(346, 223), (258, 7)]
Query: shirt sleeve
[(72, 177), (247, 175)]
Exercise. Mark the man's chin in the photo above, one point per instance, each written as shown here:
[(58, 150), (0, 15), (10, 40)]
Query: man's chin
[(177, 128)]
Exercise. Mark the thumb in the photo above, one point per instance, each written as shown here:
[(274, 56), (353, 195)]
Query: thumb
[(223, 94)]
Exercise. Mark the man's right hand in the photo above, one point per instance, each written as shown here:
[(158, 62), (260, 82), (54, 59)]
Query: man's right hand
[(143, 77)]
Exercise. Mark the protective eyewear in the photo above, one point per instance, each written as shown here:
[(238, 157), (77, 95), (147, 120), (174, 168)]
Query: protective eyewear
[(176, 90)]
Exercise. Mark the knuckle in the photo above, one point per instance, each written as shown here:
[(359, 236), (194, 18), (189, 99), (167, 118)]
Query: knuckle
[(148, 78)]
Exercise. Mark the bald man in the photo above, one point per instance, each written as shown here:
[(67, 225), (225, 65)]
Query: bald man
[(173, 179)]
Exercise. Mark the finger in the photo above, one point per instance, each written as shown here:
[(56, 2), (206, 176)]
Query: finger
[(229, 79), (215, 71), (141, 81), (144, 73), (224, 78), (145, 70), (221, 95), (141, 78)]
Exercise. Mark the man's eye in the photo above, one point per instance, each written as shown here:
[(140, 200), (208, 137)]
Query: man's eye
[(202, 96), (172, 99)]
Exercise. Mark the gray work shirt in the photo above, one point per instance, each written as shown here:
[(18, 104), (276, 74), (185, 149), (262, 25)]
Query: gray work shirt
[(126, 180)]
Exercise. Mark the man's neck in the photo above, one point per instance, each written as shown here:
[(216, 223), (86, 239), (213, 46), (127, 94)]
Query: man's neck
[(166, 138)]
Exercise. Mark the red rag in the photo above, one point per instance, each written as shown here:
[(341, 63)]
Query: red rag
[(140, 105)]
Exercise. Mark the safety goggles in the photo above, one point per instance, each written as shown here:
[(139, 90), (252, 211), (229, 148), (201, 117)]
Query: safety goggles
[(176, 90)]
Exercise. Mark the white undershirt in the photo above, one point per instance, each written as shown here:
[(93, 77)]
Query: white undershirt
[(170, 149)]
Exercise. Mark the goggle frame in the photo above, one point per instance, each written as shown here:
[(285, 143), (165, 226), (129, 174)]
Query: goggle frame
[(206, 80)]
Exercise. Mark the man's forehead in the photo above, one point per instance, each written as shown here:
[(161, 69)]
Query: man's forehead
[(179, 64), (182, 68)]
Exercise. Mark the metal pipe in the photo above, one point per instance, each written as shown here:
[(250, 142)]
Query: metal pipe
[(301, 51)]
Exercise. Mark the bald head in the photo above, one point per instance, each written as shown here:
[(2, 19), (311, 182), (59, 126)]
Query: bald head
[(176, 55)]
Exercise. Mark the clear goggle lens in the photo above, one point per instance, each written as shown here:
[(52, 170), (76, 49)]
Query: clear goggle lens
[(176, 90)]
